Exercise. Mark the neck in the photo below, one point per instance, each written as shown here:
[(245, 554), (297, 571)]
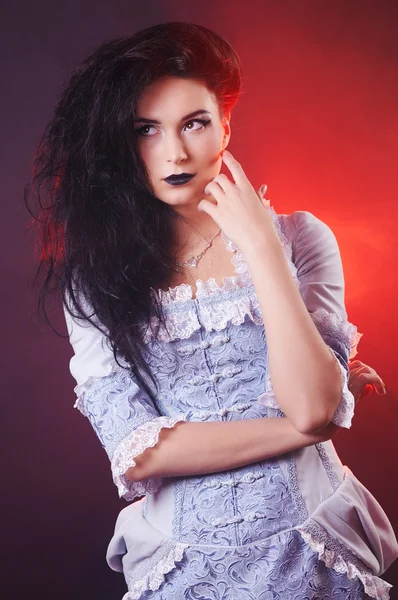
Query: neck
[(192, 229)]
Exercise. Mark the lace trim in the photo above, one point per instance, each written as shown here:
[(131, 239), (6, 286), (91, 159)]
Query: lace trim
[(184, 292), (145, 436), (153, 579), (181, 324), (232, 310), (295, 490), (331, 324), (342, 560), (279, 225), (345, 410), (323, 455)]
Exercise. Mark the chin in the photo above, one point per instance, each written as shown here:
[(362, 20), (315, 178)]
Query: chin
[(180, 199)]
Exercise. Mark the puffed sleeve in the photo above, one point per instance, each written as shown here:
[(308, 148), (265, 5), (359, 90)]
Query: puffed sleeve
[(316, 257), (120, 411)]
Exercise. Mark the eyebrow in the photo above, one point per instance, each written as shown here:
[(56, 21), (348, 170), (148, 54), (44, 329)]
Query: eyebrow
[(190, 116)]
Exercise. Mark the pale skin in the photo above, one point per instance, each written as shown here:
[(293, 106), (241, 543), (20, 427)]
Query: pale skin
[(296, 350)]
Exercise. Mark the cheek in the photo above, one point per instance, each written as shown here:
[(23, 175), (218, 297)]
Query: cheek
[(210, 156), (212, 144)]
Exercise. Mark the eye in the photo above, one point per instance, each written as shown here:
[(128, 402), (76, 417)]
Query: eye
[(203, 124), (141, 130)]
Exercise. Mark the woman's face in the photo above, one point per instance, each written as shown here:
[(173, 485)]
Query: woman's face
[(171, 140)]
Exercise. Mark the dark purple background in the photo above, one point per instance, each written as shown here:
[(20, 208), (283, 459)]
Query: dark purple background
[(318, 123)]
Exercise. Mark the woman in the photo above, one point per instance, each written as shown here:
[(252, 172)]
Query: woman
[(210, 337)]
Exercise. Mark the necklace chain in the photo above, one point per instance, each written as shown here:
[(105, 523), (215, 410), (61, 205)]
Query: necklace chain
[(194, 260)]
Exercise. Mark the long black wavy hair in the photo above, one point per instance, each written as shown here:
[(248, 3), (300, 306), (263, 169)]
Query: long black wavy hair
[(101, 231)]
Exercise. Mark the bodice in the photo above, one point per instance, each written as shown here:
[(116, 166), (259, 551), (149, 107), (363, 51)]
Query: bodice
[(218, 376)]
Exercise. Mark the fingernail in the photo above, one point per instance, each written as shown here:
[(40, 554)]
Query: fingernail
[(263, 189)]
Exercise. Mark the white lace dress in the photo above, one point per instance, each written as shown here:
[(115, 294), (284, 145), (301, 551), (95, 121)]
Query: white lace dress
[(299, 526)]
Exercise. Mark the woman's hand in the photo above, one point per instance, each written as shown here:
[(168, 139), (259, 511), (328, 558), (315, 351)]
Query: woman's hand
[(363, 379), (239, 211)]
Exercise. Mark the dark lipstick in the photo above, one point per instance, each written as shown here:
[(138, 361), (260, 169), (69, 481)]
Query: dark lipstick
[(179, 179)]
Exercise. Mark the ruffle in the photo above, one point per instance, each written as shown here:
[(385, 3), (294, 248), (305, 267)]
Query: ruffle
[(181, 324), (331, 324), (374, 586), (145, 436), (184, 292), (345, 409), (233, 310), (156, 574)]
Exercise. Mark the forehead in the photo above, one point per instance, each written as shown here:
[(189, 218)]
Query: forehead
[(175, 94)]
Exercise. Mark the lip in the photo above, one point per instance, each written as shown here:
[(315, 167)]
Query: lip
[(179, 179), (179, 175)]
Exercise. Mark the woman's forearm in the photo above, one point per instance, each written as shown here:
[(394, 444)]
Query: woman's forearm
[(192, 448), (304, 374)]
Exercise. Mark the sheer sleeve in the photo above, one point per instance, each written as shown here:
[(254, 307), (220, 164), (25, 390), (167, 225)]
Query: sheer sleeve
[(317, 260), (120, 411)]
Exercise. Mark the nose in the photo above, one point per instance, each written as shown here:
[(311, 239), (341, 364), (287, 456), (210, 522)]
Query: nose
[(175, 150)]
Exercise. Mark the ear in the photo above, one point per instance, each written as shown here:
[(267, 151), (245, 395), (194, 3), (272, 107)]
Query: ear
[(227, 131)]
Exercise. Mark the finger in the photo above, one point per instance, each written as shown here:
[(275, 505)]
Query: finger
[(356, 363), (236, 169), (361, 369), (374, 380), (367, 390), (380, 388), (224, 181), (225, 184), (353, 373), (213, 188), (363, 381), (262, 190), (209, 208)]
